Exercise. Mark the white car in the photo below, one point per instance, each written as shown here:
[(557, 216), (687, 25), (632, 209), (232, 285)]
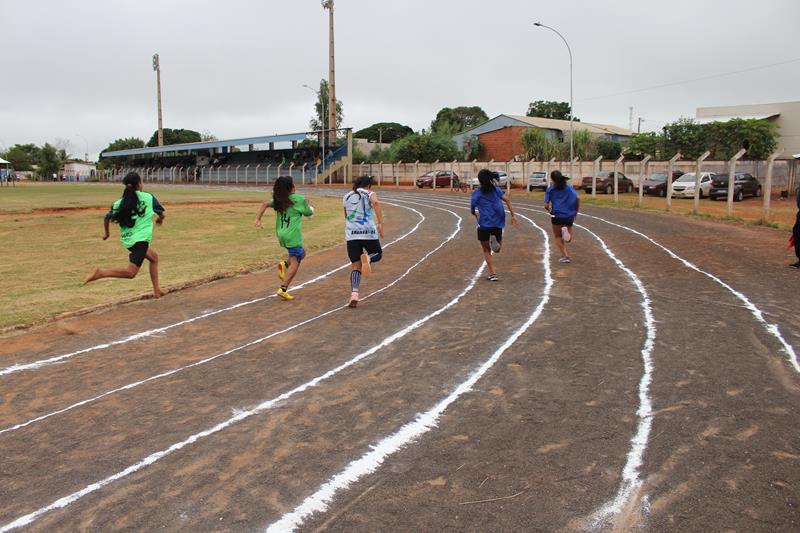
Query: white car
[(683, 187), (502, 179), (537, 180)]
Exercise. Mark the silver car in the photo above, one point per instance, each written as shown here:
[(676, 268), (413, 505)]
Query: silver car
[(537, 180), (502, 179), (683, 187)]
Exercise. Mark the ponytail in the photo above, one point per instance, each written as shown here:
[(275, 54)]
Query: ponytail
[(129, 206)]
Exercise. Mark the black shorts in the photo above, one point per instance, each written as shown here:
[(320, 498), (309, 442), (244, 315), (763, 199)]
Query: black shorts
[(357, 247), (484, 233), (137, 252), (565, 221)]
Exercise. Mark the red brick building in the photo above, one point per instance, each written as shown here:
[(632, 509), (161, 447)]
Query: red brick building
[(502, 144)]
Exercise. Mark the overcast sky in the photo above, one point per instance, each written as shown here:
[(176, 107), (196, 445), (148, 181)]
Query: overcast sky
[(81, 69)]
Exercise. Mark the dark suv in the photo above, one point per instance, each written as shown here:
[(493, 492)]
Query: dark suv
[(605, 183), (656, 184), (744, 184)]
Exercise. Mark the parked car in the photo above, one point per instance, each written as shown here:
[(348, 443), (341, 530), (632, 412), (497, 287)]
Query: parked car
[(744, 184), (605, 183), (537, 180), (684, 186), (442, 179), (502, 179), (656, 184)]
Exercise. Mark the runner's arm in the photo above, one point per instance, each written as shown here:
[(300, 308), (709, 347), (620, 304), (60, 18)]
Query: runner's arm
[(107, 221), (260, 214), (159, 210), (373, 201)]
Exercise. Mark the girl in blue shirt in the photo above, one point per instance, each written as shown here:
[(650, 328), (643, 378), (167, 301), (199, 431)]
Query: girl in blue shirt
[(562, 202), (487, 206)]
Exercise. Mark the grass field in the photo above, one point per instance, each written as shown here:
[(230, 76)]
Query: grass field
[(50, 253)]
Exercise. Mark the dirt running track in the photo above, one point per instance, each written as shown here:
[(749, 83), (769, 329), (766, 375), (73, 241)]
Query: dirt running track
[(625, 391)]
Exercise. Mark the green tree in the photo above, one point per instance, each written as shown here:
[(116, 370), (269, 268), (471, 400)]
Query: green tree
[(550, 109), (49, 162), (758, 137), (23, 157), (649, 143), (609, 149), (179, 136), (458, 119), (318, 121), (387, 132), (583, 144), (537, 145), (427, 147), (208, 136), (685, 136), (119, 144)]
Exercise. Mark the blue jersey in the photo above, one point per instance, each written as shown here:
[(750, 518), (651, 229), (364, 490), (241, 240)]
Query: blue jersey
[(491, 213), (564, 202)]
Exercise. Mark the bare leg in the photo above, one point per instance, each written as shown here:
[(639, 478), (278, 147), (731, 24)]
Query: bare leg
[(487, 254), (128, 272), (560, 240), (152, 256), (294, 266)]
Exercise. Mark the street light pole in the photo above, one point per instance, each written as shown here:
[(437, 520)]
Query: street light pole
[(157, 68), (322, 126), (571, 110)]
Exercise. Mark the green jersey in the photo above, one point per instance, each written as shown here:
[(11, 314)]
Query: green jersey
[(288, 223), (142, 229)]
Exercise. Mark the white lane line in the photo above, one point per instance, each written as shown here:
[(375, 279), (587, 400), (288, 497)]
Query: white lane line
[(773, 329), (630, 474), (239, 416), (423, 422), (133, 385), (19, 367)]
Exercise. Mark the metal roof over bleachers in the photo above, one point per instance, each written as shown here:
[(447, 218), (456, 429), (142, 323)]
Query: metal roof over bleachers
[(203, 145)]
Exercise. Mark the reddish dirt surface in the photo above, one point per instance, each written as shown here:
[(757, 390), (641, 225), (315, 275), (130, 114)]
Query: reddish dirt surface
[(538, 445)]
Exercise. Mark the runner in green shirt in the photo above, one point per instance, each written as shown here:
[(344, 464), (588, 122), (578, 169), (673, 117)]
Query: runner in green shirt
[(134, 213), (290, 208)]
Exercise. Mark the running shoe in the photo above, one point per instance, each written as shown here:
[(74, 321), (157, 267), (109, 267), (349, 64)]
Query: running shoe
[(494, 244), (565, 234), (492, 277), (564, 259), (353, 299), (366, 269), (795, 265), (283, 293), (282, 268)]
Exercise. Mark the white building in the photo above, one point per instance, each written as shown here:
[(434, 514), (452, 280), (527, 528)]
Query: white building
[(77, 170)]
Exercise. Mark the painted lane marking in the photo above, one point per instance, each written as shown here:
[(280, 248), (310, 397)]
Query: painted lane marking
[(630, 474), (773, 329), (239, 416), (133, 385), (152, 332), (423, 422)]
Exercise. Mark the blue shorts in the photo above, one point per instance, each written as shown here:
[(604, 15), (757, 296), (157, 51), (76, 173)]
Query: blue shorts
[(297, 252)]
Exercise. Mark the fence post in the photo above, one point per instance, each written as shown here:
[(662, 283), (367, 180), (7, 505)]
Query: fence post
[(767, 190), (670, 166), (433, 169), (697, 175), (616, 178), (508, 176), (732, 178), (394, 173), (291, 167), (236, 174), (268, 167), (380, 173), (642, 173), (303, 175), (416, 171), (547, 172)]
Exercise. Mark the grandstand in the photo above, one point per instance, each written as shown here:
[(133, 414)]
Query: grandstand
[(249, 160)]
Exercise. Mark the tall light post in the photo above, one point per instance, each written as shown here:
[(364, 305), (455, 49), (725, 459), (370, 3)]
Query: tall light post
[(322, 133), (86, 154), (157, 68), (571, 110), (328, 4)]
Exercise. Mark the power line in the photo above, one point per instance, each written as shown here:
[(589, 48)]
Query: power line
[(671, 84)]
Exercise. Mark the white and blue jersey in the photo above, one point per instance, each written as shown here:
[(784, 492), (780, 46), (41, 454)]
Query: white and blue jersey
[(359, 216)]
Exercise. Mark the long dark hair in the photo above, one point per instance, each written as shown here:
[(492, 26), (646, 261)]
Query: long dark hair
[(487, 178), (129, 206), (280, 193), (558, 179)]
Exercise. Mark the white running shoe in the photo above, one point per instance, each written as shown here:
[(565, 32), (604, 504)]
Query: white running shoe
[(494, 244), (565, 234), (564, 259), (353, 299)]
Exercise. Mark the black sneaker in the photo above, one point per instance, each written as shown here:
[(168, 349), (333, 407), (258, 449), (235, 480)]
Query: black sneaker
[(492, 277), (795, 265)]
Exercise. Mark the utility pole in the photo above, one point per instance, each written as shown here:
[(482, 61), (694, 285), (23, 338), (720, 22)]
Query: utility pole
[(328, 4), (639, 127), (157, 68), (630, 118)]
